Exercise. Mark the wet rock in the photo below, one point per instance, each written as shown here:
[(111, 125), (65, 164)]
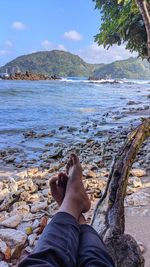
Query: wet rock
[(9, 159), (38, 206), (15, 240), (12, 222), (30, 134), (148, 96), (138, 172), (131, 102)]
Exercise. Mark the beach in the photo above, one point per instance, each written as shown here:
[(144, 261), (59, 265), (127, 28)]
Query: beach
[(40, 125)]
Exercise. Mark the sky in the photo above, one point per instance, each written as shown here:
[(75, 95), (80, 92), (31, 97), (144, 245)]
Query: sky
[(28, 26)]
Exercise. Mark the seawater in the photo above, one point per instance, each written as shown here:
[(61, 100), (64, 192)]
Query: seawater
[(47, 105)]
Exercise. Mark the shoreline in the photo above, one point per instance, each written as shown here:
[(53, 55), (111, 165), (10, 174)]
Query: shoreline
[(27, 164)]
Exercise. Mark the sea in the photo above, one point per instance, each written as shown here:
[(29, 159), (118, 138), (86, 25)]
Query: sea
[(47, 106)]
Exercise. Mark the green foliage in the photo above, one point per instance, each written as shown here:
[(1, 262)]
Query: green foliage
[(131, 68), (54, 62), (63, 64), (121, 23)]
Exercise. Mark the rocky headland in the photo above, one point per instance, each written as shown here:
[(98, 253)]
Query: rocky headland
[(31, 76)]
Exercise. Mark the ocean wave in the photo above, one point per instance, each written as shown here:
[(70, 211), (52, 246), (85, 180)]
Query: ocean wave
[(105, 81)]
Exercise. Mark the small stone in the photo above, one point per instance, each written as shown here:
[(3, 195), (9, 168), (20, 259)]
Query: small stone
[(12, 222), (1, 186), (4, 193), (89, 174), (29, 184), (137, 182), (28, 249), (141, 246), (31, 239), (35, 224), (13, 185), (138, 172), (38, 206), (29, 230)]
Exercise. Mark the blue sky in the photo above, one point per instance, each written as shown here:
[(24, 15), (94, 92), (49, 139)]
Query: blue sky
[(29, 26)]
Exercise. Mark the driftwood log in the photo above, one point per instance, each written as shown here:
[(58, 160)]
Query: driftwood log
[(109, 219)]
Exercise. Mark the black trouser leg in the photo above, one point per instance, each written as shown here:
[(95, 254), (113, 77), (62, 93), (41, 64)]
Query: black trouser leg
[(92, 251), (58, 244)]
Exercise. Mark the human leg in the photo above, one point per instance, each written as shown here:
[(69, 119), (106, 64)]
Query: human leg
[(92, 250), (58, 244)]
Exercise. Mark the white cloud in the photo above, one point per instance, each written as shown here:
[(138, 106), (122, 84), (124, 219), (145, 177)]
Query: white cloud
[(3, 52), (8, 44), (6, 48), (18, 25), (73, 35), (98, 54), (47, 45)]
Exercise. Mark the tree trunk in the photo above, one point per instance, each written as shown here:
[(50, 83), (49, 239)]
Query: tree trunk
[(108, 217), (144, 8)]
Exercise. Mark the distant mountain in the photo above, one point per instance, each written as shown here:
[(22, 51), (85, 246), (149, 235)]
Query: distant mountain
[(131, 68), (54, 62), (61, 63)]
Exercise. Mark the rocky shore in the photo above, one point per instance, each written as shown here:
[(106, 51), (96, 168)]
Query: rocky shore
[(31, 76), (26, 205)]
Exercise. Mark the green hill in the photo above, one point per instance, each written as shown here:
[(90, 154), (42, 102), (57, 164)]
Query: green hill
[(131, 68), (63, 64), (54, 62)]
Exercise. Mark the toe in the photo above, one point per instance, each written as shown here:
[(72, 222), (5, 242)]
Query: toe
[(74, 158)]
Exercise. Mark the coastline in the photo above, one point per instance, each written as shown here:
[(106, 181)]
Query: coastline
[(26, 203)]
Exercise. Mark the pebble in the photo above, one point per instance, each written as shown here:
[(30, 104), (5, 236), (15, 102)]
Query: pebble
[(38, 206), (31, 239), (138, 172)]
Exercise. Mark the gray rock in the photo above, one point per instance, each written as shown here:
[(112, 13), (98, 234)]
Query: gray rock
[(12, 222), (38, 206), (14, 239)]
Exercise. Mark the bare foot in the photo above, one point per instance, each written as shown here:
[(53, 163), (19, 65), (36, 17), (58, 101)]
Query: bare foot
[(58, 187), (76, 199)]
